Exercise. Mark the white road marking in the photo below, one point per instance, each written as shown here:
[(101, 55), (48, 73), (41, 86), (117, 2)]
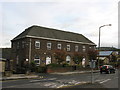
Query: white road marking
[(99, 80), (42, 80), (104, 81)]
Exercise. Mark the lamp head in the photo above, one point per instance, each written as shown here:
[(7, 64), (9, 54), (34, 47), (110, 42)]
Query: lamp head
[(110, 24)]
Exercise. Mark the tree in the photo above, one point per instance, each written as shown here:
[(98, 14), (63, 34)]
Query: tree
[(92, 54), (78, 57), (60, 56), (32, 66), (114, 58)]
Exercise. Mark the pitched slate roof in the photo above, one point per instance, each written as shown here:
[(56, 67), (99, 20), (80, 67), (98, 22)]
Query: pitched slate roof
[(38, 31)]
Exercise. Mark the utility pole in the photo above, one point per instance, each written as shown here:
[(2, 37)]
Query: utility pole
[(30, 51)]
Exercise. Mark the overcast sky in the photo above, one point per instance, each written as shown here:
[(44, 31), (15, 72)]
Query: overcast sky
[(79, 16)]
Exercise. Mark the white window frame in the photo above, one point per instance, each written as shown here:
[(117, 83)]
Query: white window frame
[(84, 48), (37, 59), (49, 44), (76, 48), (68, 59), (68, 47), (48, 61), (37, 46), (37, 64), (59, 46)]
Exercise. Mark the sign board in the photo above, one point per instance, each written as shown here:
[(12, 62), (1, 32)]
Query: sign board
[(92, 64)]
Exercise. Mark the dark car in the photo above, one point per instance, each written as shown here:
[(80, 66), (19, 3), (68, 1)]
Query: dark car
[(107, 69)]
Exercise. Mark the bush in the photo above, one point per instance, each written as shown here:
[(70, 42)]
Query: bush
[(65, 65), (41, 69), (32, 66), (54, 65), (58, 65)]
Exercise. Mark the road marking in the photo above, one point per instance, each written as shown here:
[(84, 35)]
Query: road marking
[(104, 81), (69, 85), (43, 80)]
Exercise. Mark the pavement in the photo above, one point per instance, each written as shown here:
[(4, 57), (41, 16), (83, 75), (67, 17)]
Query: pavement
[(75, 72), (33, 76), (20, 76)]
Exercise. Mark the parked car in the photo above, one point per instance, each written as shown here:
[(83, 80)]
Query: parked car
[(107, 69)]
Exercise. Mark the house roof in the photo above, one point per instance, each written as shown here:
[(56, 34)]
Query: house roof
[(38, 31), (107, 48), (105, 53)]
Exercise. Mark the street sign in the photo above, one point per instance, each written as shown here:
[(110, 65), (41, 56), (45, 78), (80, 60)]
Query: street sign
[(92, 64)]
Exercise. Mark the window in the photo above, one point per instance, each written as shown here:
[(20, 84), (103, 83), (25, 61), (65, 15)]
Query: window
[(84, 48), (68, 47), (37, 60), (68, 59), (59, 46), (48, 60), (48, 46), (76, 48), (37, 44)]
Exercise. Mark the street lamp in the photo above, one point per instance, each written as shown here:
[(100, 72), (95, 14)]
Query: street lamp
[(99, 39)]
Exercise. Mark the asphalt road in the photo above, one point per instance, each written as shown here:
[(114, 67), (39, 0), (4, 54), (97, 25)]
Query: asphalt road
[(66, 81)]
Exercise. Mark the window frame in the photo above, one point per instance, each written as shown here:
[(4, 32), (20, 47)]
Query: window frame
[(76, 48), (59, 46), (37, 42), (49, 45), (84, 48), (37, 59), (68, 47), (68, 59), (50, 59)]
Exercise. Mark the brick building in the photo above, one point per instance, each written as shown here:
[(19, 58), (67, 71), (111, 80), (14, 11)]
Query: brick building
[(40, 43)]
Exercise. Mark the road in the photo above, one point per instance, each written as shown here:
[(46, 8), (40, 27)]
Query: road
[(60, 81)]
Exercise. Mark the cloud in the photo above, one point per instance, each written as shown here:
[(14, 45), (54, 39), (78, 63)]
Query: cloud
[(80, 16)]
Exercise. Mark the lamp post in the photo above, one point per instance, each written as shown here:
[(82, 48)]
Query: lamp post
[(99, 39)]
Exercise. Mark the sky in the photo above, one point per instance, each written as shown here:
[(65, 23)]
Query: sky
[(79, 16)]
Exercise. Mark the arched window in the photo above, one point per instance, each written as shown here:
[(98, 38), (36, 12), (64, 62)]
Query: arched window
[(48, 60), (68, 59)]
